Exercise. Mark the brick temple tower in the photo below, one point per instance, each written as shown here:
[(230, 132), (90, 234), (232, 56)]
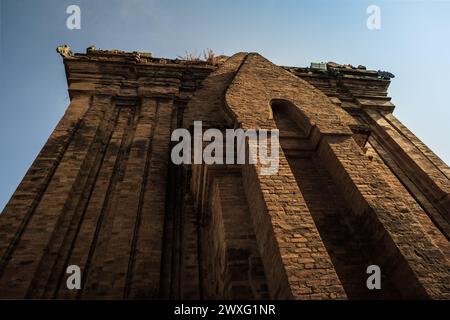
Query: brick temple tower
[(355, 188)]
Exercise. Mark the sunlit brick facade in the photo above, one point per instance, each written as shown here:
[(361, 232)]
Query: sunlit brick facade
[(355, 188)]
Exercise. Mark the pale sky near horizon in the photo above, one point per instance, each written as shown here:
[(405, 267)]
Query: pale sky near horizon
[(412, 43)]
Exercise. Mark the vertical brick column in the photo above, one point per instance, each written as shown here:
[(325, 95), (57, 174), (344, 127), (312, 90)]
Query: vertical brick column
[(109, 280), (433, 223), (53, 264), (433, 158), (145, 269), (234, 267), (428, 173), (19, 209), (406, 253), (284, 228), (282, 221), (96, 211), (49, 213), (189, 273)]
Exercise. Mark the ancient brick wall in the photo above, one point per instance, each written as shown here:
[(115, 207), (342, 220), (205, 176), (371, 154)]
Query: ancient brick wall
[(354, 188), (96, 195)]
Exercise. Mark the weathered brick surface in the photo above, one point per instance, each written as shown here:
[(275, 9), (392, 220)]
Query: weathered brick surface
[(259, 77), (355, 187), (347, 249), (22, 204), (286, 211), (145, 275), (230, 257), (431, 221), (208, 104), (97, 210), (189, 270), (53, 205), (53, 263), (426, 173), (114, 268), (392, 225)]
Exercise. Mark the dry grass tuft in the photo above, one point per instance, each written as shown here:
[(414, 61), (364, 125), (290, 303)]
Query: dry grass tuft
[(209, 57)]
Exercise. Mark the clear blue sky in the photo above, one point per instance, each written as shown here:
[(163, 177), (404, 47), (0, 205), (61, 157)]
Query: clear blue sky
[(413, 43)]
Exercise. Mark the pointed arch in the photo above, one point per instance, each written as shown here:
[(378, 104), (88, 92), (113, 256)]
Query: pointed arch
[(289, 118)]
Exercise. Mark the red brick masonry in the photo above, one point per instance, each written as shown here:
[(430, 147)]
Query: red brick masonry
[(355, 188)]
